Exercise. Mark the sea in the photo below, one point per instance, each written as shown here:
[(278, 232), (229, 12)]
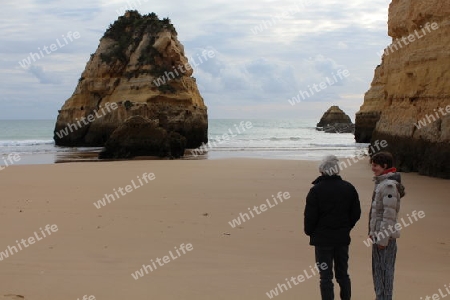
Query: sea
[(32, 142)]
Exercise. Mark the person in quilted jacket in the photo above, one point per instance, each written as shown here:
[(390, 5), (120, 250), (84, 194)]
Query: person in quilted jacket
[(382, 219)]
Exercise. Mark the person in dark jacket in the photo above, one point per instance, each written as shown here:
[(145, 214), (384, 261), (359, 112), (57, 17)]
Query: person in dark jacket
[(331, 211)]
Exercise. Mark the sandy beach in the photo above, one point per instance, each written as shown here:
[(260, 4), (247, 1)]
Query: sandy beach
[(177, 221)]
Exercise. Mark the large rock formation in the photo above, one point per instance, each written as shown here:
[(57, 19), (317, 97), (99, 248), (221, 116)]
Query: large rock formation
[(139, 69), (335, 120), (408, 104)]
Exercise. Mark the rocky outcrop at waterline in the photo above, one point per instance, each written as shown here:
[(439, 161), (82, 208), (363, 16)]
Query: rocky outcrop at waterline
[(139, 136), (335, 120)]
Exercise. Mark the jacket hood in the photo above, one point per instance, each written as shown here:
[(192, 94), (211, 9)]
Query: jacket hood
[(392, 176), (395, 176)]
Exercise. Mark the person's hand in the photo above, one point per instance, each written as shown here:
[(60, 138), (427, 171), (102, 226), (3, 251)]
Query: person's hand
[(381, 247)]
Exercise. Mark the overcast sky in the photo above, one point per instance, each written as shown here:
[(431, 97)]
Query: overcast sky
[(265, 52)]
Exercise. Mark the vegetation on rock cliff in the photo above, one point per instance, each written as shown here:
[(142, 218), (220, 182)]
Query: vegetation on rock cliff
[(137, 25)]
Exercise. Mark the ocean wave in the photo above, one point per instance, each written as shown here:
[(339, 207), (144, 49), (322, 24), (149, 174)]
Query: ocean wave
[(328, 145), (18, 143), (292, 138), (281, 149)]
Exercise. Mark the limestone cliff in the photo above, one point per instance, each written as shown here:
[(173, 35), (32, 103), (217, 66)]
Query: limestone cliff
[(138, 69), (408, 103)]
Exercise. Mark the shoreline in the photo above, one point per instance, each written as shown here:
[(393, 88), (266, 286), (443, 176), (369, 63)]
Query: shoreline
[(274, 154)]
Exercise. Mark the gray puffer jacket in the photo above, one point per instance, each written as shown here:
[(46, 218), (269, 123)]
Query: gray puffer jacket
[(385, 207)]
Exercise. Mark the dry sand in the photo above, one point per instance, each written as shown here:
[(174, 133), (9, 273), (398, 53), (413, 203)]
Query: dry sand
[(95, 251)]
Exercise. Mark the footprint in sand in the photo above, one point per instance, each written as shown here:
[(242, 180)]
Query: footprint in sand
[(14, 297)]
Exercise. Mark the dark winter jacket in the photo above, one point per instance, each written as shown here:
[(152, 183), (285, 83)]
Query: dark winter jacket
[(332, 210)]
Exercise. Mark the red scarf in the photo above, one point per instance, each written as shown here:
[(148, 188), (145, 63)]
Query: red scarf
[(390, 170)]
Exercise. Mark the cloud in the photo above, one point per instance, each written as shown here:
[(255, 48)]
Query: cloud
[(248, 70), (43, 76)]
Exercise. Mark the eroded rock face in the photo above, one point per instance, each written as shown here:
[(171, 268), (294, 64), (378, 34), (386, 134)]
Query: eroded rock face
[(139, 136), (335, 120), (408, 100), (140, 67)]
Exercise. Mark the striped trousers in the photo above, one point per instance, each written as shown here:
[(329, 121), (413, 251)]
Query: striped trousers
[(383, 266)]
